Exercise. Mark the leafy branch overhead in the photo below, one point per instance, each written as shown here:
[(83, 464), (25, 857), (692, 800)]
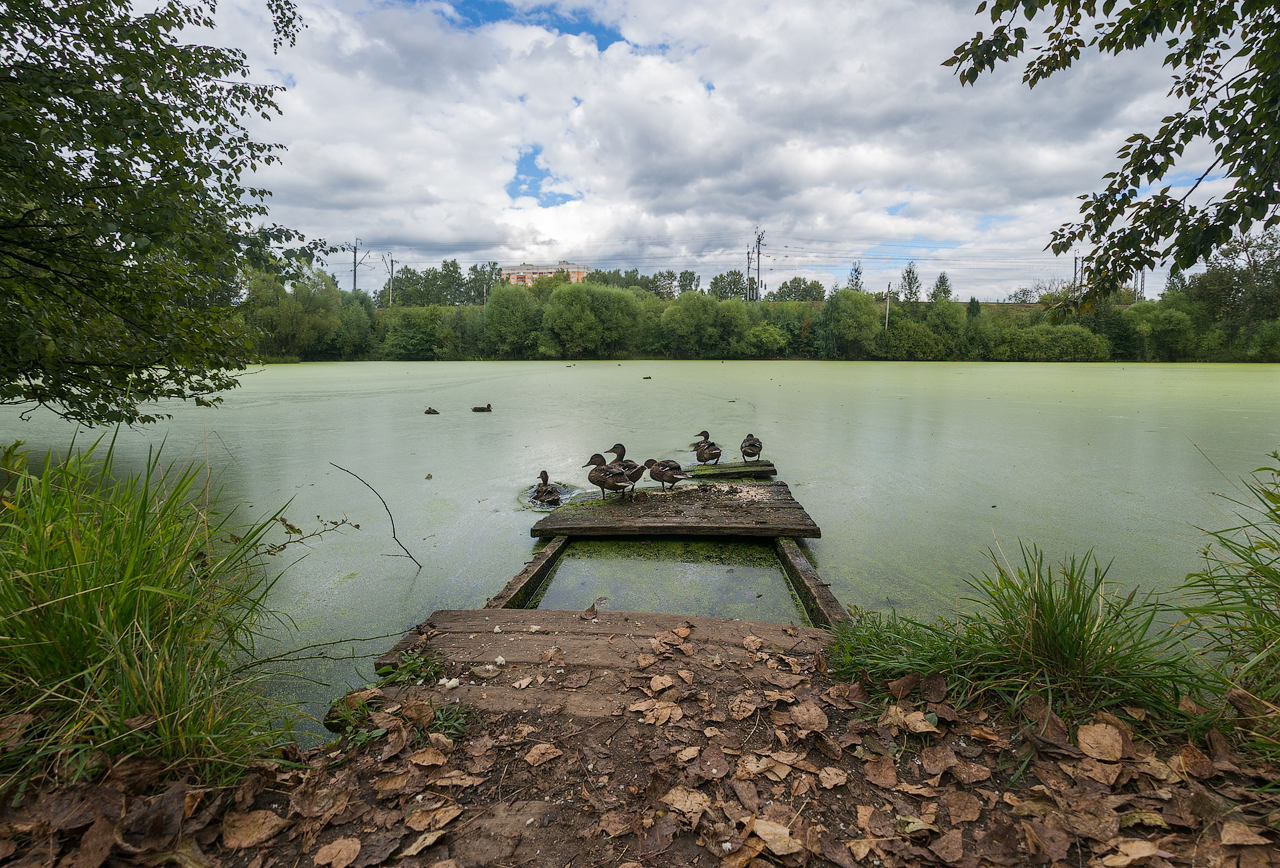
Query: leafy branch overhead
[(1224, 58), (124, 214)]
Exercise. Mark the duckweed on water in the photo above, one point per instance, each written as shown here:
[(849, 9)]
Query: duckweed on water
[(707, 578)]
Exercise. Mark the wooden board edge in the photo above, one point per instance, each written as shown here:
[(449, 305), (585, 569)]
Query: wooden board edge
[(822, 606), (526, 583)]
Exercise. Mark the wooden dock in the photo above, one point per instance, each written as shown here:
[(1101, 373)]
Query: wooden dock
[(732, 470), (754, 509)]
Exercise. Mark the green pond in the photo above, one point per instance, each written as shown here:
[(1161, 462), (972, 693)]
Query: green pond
[(912, 470)]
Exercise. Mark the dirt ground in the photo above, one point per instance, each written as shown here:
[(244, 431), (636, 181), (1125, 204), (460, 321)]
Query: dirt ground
[(660, 742)]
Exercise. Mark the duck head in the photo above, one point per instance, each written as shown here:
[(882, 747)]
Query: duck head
[(705, 435), (543, 477), (619, 450), (596, 460)]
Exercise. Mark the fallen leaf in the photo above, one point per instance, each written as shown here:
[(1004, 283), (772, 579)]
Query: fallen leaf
[(425, 840), (1132, 850), (689, 802), (969, 773), (436, 818), (1045, 843), (905, 825), (428, 756), (457, 779), (644, 661), (616, 822), (937, 759), (659, 683), (553, 656), (1193, 762), (900, 687), (522, 683), (421, 713), (881, 772), (688, 753), (542, 753), (339, 853), (776, 837), (753, 643), (250, 829), (916, 790), (712, 763), (742, 706), (1101, 741), (831, 777), (918, 723), (785, 680), (685, 675), (576, 680), (950, 847), (808, 716), (934, 687), (1236, 833), (961, 807)]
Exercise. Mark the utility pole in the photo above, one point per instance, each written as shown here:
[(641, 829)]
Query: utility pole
[(887, 296), (1075, 271), (389, 260), (355, 264), (759, 244), (747, 289)]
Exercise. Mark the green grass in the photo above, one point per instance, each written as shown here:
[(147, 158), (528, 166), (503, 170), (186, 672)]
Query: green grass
[(1063, 632), (1234, 602), (127, 608)]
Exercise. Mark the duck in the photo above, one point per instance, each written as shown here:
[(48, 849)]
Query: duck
[(487, 408), (605, 475), (431, 411), (635, 472), (751, 447), (706, 451), (665, 471), (546, 493)]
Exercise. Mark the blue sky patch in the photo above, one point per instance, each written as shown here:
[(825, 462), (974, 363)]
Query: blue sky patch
[(529, 178), (893, 210), (477, 13)]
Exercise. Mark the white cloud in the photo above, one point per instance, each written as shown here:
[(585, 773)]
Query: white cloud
[(832, 126)]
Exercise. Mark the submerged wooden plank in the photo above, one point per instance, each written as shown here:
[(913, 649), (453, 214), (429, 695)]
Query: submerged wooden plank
[(823, 607), (732, 470), (525, 585), (753, 509)]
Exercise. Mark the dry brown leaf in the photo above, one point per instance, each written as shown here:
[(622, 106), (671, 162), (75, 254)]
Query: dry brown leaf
[(436, 818), (688, 753), (961, 807), (397, 738), (644, 661), (541, 753), (388, 784), (779, 696), (428, 756), (753, 643), (1103, 773), (522, 683), (576, 680), (969, 773), (1236, 833), (742, 706), (881, 772), (916, 790), (250, 829), (1101, 741), (1132, 850), (1192, 761), (892, 718), (689, 802), (553, 656), (933, 688), (425, 840), (937, 759), (339, 853), (712, 763), (1045, 843), (457, 779), (421, 713), (659, 683), (900, 687), (831, 777), (950, 847), (808, 716), (918, 723), (785, 680), (776, 837), (685, 675), (616, 822)]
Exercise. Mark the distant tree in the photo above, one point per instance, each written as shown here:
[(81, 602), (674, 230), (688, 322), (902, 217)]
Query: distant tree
[(568, 318), (974, 309), (510, 316), (941, 289), (847, 325), (688, 324), (1023, 295), (293, 318), (481, 279), (618, 278), (799, 289), (664, 284), (855, 277), (731, 284), (689, 281), (909, 286)]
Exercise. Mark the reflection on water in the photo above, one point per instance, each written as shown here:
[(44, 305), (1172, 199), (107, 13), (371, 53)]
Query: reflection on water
[(911, 470), (682, 577)]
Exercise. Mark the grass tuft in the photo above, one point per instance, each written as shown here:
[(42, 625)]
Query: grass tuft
[(126, 611)]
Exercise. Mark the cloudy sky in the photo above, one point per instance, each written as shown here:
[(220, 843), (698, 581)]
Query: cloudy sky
[(660, 134)]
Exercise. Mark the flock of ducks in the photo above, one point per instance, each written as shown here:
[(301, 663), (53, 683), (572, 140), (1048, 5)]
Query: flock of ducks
[(622, 473)]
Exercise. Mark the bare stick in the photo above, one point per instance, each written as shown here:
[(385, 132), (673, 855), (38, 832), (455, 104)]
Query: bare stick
[(408, 554)]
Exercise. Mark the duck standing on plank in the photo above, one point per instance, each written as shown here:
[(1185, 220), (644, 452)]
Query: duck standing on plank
[(546, 494), (666, 471), (634, 471), (705, 450), (605, 475), (751, 447)]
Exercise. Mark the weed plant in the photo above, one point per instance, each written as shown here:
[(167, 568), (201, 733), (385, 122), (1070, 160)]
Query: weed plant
[(1234, 602), (1063, 633), (126, 609)]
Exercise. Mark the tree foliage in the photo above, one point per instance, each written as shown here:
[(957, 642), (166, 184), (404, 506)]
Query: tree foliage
[(1225, 60), (124, 216)]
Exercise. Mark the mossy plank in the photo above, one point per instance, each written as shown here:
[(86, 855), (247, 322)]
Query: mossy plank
[(823, 607), (751, 509), (732, 470), (525, 585)]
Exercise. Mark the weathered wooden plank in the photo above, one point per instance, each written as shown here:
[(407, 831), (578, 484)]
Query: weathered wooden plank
[(521, 589), (754, 509), (823, 607), (732, 470)]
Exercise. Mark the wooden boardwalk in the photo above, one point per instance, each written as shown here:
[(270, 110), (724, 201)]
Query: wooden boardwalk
[(732, 470), (750, 509)]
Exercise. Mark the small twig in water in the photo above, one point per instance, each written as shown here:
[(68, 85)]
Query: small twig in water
[(407, 553)]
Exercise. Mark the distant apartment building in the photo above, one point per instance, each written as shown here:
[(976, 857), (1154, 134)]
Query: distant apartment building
[(524, 274)]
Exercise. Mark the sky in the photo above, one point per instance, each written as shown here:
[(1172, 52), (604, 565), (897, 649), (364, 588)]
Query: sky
[(664, 133)]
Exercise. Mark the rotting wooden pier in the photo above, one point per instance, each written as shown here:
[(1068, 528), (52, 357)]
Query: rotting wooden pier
[(740, 506)]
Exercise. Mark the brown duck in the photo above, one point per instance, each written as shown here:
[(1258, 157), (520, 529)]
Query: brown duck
[(605, 475), (705, 450), (666, 471), (487, 408), (635, 472), (546, 493), (751, 447)]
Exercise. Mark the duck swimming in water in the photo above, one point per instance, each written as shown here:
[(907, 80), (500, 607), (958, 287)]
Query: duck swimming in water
[(706, 451), (546, 493), (666, 471), (751, 447), (605, 475), (487, 408)]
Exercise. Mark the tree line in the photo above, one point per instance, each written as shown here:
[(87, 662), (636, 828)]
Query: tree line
[(1229, 312)]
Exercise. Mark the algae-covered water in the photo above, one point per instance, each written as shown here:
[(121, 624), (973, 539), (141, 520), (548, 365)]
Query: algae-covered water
[(912, 470)]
